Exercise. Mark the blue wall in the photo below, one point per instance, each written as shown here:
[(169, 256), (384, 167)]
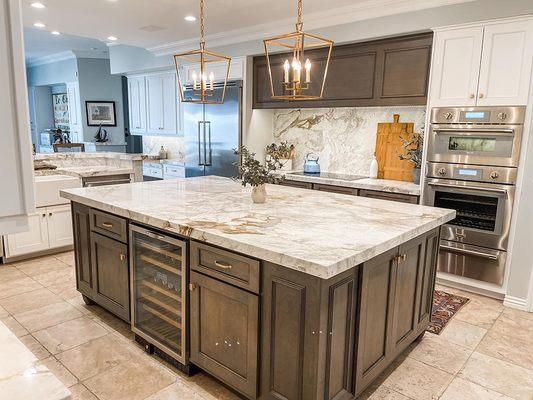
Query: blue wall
[(54, 73), (97, 84)]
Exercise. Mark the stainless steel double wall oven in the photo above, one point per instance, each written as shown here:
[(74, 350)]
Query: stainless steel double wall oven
[(473, 156)]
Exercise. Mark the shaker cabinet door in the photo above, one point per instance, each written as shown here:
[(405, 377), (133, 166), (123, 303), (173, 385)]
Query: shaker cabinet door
[(455, 67), (224, 332), (137, 104), (33, 240), (82, 248), (59, 226), (111, 275), (506, 64)]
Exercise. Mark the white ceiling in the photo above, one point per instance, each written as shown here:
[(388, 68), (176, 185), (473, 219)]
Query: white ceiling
[(39, 43), (163, 21)]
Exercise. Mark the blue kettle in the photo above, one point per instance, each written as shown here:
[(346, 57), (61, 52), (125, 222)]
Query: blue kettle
[(311, 165)]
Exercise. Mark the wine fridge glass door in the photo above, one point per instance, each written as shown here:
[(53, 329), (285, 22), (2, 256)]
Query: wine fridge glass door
[(158, 282)]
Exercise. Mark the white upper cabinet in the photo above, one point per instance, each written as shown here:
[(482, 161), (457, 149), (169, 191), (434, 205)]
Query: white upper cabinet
[(486, 65), (506, 64), (455, 73), (153, 104), (137, 104)]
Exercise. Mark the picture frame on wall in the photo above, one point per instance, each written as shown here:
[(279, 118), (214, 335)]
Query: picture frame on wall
[(101, 113), (61, 112)]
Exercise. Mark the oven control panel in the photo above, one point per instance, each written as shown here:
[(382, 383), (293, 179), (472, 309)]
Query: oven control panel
[(476, 173), (478, 115)]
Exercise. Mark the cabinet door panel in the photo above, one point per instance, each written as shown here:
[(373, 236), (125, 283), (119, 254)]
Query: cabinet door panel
[(170, 103), (506, 64), (289, 320), (31, 241), (456, 61), (224, 332), (111, 275), (428, 276), (154, 97), (82, 248), (375, 322), (137, 104), (59, 226), (406, 304)]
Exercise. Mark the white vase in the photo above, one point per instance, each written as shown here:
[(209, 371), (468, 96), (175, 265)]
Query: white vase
[(374, 168), (259, 194)]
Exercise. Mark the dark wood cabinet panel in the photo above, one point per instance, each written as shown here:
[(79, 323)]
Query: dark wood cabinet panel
[(224, 332), (82, 249), (290, 329), (391, 71), (110, 269), (400, 197), (428, 275), (375, 318), (407, 293), (335, 189), (298, 184)]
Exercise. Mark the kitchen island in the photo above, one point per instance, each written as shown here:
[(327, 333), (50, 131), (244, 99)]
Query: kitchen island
[(309, 296)]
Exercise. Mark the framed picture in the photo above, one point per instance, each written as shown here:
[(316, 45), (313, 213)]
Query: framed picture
[(61, 115), (101, 113)]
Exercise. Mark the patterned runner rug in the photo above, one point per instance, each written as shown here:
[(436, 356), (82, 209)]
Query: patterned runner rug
[(445, 306)]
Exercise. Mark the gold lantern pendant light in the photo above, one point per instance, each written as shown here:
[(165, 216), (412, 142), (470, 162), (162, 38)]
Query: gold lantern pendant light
[(196, 77), (297, 78)]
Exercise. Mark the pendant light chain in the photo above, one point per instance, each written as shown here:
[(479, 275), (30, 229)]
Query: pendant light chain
[(202, 26), (299, 20)]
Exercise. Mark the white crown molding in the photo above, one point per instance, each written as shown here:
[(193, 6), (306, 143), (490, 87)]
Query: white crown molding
[(494, 21), (515, 302), (65, 55), (366, 9)]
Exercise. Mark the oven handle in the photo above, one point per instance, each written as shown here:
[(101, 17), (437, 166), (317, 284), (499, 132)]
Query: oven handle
[(468, 132), (503, 191), (469, 252)]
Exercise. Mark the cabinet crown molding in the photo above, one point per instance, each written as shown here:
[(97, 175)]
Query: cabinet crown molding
[(521, 18)]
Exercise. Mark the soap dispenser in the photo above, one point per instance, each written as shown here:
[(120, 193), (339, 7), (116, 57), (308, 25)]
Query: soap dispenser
[(374, 167), (162, 153)]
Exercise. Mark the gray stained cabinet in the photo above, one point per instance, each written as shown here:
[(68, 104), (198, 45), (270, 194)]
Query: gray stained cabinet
[(82, 247), (308, 335), (385, 72), (109, 259), (224, 332), (395, 304)]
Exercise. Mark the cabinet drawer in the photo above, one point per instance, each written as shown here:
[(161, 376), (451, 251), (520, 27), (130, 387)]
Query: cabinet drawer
[(335, 189), (402, 198), (228, 267), (109, 225), (299, 184)]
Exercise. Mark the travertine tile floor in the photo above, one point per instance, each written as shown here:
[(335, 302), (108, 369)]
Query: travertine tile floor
[(485, 353)]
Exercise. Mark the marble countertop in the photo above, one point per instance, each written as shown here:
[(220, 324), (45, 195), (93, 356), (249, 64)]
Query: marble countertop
[(88, 155), (21, 374), (322, 234), (382, 185), (85, 171)]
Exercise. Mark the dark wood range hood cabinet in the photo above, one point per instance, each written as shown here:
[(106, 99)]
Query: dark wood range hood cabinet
[(387, 72)]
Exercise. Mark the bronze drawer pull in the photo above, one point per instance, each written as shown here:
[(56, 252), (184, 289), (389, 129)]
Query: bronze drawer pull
[(107, 224), (223, 265)]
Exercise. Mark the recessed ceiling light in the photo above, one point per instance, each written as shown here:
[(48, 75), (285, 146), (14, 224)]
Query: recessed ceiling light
[(56, 33), (112, 38), (39, 25), (37, 5), (190, 18)]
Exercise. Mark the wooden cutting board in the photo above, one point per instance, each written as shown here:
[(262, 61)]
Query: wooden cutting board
[(389, 146)]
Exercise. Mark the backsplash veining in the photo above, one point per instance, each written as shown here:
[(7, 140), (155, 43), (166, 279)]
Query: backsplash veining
[(172, 144), (344, 138)]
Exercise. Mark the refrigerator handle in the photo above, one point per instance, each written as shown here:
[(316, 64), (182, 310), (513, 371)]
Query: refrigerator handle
[(210, 151), (200, 144)]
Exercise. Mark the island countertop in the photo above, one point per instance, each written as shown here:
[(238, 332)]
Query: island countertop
[(322, 234)]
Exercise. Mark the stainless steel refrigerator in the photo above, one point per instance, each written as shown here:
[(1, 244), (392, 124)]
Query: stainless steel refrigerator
[(212, 132)]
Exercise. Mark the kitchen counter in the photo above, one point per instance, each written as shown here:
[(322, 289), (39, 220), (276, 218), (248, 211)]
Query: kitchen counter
[(21, 374), (345, 180), (85, 171), (321, 234)]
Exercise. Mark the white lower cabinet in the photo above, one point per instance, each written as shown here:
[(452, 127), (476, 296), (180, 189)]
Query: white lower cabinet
[(49, 228)]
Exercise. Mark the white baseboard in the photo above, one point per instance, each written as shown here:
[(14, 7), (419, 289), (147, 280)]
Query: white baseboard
[(515, 302)]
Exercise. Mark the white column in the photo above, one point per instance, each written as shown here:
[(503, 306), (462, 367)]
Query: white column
[(17, 198)]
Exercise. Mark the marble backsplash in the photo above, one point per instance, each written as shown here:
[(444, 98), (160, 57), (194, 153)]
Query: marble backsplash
[(344, 138), (174, 145)]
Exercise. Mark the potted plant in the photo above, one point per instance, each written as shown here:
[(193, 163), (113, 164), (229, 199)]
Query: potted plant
[(413, 152), (256, 175), (284, 152)]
